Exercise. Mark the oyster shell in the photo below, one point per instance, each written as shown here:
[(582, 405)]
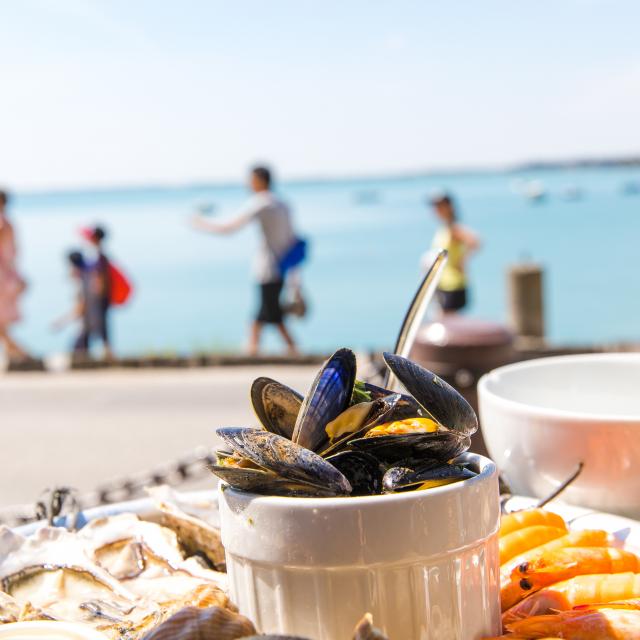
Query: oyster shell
[(50, 576), (121, 575), (131, 549), (195, 535)]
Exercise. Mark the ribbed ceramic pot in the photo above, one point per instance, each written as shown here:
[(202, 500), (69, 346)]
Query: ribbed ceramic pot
[(424, 563)]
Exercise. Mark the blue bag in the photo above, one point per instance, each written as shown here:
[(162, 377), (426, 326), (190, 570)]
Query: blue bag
[(295, 255)]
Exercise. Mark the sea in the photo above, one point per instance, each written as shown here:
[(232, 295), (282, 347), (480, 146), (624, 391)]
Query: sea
[(195, 292)]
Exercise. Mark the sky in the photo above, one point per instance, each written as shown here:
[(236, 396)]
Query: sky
[(127, 92)]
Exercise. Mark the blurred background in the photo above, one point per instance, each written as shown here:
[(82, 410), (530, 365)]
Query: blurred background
[(135, 115), (131, 114)]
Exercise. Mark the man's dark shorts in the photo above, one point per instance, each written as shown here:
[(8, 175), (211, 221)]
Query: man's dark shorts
[(270, 311)]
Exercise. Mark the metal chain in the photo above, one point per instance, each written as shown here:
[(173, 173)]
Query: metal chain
[(121, 489)]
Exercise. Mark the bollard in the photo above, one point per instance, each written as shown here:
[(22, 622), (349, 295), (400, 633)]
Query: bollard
[(526, 300)]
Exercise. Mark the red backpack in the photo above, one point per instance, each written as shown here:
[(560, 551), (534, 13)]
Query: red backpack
[(121, 287)]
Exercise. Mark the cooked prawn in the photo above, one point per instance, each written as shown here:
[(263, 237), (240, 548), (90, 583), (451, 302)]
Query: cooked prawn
[(563, 564), (511, 593), (576, 591), (521, 540), (528, 518), (585, 538), (591, 624)]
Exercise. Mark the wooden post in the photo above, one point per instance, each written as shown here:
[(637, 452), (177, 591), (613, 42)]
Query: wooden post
[(526, 300)]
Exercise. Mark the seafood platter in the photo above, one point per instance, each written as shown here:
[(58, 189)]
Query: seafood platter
[(354, 511)]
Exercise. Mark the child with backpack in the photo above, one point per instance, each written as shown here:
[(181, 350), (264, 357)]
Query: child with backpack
[(101, 286)]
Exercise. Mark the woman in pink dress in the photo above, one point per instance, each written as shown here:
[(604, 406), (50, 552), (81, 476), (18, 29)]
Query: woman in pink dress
[(11, 284)]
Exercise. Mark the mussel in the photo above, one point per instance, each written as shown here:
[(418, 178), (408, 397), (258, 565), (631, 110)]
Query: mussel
[(436, 397), (276, 405), (348, 437), (329, 396), (425, 475), (363, 471), (286, 459)]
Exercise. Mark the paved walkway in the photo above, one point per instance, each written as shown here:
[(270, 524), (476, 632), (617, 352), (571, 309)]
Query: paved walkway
[(83, 428)]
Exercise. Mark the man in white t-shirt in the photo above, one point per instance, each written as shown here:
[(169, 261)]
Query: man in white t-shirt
[(278, 236)]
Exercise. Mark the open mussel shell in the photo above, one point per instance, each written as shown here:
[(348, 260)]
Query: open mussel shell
[(329, 396), (439, 445), (401, 477), (435, 395), (285, 458), (361, 469), (276, 405)]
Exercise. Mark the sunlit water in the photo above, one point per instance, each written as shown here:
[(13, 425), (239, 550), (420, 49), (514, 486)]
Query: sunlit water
[(195, 292)]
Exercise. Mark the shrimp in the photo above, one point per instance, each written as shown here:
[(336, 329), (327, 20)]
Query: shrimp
[(563, 564), (555, 566), (585, 538), (521, 540), (601, 624), (528, 518), (511, 593), (576, 591)]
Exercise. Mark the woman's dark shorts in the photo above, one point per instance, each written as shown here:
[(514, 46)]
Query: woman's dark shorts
[(270, 311), (452, 300)]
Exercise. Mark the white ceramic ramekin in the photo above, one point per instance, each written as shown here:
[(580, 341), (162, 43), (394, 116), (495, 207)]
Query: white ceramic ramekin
[(540, 418), (424, 563)]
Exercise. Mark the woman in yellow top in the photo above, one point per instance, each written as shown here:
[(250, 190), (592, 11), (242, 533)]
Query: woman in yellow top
[(460, 243)]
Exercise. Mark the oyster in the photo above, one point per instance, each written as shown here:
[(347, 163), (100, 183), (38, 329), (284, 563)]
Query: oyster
[(146, 558), (119, 574), (50, 576), (196, 536)]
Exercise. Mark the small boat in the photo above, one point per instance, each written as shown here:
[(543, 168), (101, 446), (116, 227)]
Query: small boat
[(534, 190)]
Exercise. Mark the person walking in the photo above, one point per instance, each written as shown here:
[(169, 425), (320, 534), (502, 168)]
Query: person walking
[(278, 239), (460, 242), (11, 284), (97, 293), (80, 276)]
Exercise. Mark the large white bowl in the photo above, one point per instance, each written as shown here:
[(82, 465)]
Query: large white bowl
[(424, 563), (540, 418)]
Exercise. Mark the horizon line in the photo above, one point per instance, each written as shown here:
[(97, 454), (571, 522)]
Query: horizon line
[(609, 161)]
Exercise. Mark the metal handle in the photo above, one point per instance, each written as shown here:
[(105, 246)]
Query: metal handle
[(415, 313)]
